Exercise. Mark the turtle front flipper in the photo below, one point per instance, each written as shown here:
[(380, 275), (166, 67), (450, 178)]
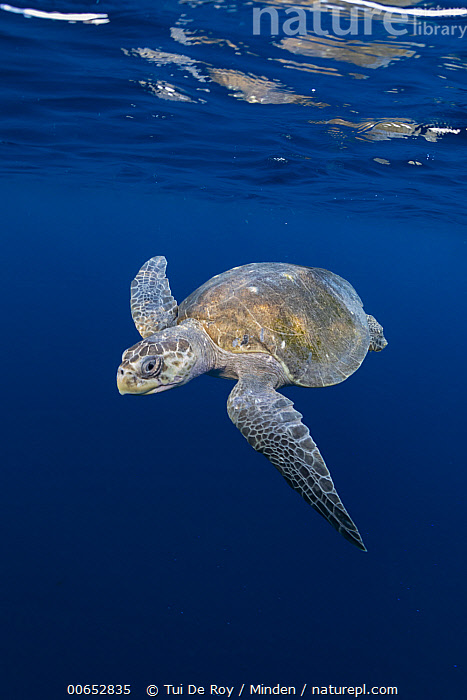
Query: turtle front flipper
[(377, 340), (153, 307), (273, 427)]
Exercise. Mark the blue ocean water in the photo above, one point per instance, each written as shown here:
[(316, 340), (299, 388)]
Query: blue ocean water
[(144, 541)]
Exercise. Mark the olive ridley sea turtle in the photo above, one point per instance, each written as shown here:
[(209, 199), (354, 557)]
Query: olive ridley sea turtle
[(266, 325)]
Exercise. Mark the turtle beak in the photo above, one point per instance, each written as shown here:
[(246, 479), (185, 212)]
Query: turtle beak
[(122, 382), (128, 383)]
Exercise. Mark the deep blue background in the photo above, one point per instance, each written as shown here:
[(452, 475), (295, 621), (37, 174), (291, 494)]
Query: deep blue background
[(144, 541)]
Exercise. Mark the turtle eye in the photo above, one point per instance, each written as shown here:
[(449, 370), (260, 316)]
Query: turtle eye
[(151, 366)]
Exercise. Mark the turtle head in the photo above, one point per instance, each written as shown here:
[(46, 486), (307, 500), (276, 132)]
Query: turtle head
[(162, 361)]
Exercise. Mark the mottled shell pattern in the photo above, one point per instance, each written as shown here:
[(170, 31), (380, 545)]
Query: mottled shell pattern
[(311, 320)]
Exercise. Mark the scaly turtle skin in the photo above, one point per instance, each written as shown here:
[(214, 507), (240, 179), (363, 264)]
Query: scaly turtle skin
[(266, 325)]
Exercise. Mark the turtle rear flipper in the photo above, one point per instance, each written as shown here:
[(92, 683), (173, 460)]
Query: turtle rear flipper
[(272, 426), (377, 340), (153, 307)]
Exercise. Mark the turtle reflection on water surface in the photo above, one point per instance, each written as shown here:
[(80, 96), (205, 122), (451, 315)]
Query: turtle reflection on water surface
[(266, 325)]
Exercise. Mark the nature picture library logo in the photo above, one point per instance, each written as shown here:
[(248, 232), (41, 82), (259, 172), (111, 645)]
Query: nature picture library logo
[(356, 17)]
